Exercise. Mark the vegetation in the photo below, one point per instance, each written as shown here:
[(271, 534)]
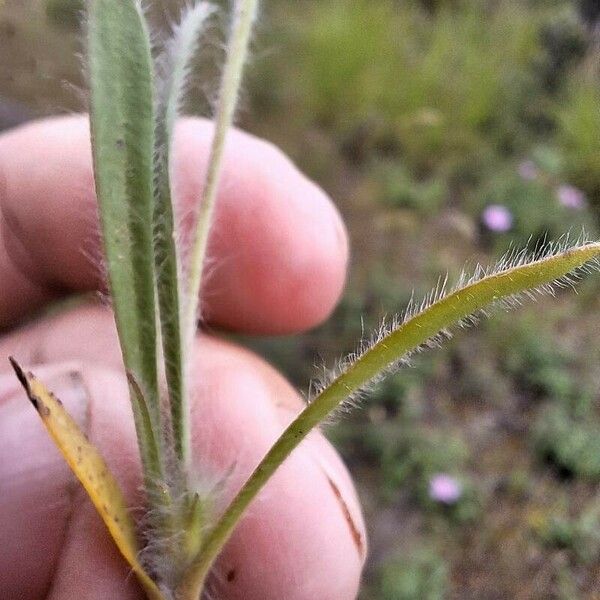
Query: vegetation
[(422, 146)]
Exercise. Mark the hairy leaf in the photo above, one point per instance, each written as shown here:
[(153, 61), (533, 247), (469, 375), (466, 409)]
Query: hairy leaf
[(504, 285), (178, 60), (122, 127), (92, 471), (245, 12)]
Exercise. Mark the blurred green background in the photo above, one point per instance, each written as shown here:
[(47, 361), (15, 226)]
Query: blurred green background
[(445, 130)]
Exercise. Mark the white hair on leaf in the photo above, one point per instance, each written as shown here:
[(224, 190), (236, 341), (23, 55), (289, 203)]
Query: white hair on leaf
[(511, 260)]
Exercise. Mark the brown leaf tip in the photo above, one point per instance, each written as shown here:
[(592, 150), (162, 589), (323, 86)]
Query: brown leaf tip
[(24, 381), (19, 373)]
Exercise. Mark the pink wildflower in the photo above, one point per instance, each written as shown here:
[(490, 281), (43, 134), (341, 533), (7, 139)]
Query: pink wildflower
[(570, 197), (444, 488), (498, 218)]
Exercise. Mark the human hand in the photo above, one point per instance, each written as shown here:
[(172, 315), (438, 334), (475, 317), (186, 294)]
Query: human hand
[(278, 256)]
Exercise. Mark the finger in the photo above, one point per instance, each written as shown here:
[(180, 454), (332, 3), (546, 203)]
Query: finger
[(64, 337), (277, 254), (90, 566), (306, 526)]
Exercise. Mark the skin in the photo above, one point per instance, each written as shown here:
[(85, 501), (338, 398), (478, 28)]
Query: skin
[(278, 256)]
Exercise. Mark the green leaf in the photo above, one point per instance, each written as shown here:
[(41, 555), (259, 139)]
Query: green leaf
[(244, 15), (178, 61), (179, 58), (505, 285), (122, 127)]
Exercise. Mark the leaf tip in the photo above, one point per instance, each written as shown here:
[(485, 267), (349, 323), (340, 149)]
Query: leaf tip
[(22, 377), (25, 380)]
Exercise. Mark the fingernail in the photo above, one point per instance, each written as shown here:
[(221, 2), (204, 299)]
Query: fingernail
[(337, 478), (341, 488)]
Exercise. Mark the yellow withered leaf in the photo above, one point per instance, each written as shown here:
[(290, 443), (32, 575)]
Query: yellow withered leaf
[(92, 471)]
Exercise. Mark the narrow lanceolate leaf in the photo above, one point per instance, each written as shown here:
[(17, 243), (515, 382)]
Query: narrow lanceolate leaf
[(122, 126), (177, 63), (180, 55), (92, 471), (504, 285), (245, 13)]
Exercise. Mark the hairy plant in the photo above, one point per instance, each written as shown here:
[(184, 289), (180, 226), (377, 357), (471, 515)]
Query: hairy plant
[(135, 101)]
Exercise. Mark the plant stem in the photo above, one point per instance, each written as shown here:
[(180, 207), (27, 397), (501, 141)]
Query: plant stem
[(244, 17)]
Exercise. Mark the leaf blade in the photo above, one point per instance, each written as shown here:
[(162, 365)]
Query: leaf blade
[(245, 13), (122, 128), (91, 470), (409, 335), (179, 58)]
